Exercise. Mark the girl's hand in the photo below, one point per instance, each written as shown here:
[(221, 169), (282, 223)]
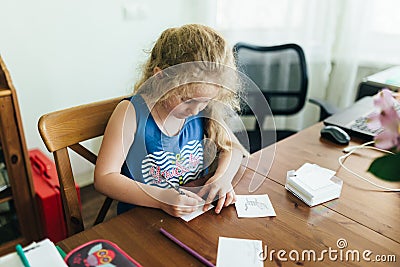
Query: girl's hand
[(218, 187), (178, 205)]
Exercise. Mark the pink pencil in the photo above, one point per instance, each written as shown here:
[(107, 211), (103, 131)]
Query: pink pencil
[(188, 249)]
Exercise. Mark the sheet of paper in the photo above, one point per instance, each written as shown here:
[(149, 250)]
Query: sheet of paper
[(11, 260), (195, 213), (252, 206), (234, 252), (315, 176), (43, 253)]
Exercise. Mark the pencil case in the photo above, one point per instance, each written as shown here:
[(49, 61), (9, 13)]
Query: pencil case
[(99, 252)]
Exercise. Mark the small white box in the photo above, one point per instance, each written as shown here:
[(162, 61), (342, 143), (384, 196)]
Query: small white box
[(313, 184)]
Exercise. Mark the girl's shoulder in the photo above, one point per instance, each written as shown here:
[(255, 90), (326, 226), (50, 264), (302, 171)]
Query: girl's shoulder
[(133, 107), (124, 108), (124, 114)]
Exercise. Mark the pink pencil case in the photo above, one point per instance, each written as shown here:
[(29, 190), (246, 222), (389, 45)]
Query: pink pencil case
[(99, 253)]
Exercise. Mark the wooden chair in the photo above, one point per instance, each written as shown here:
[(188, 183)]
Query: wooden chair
[(65, 129)]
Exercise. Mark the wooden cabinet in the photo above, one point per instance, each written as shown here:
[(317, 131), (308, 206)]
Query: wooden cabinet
[(18, 216)]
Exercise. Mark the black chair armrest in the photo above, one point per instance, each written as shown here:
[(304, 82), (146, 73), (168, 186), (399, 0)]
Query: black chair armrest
[(326, 109)]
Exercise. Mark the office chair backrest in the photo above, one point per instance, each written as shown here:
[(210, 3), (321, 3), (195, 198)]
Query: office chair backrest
[(65, 129), (280, 72)]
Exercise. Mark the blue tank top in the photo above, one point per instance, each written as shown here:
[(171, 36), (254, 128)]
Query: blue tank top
[(154, 155)]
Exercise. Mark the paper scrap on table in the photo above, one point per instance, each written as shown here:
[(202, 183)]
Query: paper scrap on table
[(194, 214), (253, 206), (239, 252)]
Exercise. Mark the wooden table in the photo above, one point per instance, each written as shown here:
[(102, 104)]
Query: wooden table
[(367, 220)]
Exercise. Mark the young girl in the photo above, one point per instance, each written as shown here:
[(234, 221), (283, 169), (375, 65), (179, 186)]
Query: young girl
[(162, 138)]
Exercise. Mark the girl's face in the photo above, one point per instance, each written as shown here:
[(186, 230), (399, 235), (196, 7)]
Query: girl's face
[(198, 98)]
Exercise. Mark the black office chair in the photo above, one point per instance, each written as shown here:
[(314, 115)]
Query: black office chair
[(280, 72)]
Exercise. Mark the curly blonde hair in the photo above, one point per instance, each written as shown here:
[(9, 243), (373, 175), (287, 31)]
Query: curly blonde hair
[(195, 43)]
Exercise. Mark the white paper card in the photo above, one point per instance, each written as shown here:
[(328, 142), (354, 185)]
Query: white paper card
[(11, 260), (43, 253), (253, 206), (194, 214), (315, 176), (234, 252)]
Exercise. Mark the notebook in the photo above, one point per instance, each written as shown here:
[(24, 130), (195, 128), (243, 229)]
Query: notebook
[(354, 119)]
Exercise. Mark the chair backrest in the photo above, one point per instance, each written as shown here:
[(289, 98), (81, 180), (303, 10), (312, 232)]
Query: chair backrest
[(280, 72), (65, 129)]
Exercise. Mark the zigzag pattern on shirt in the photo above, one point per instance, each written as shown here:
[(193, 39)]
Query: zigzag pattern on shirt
[(179, 169)]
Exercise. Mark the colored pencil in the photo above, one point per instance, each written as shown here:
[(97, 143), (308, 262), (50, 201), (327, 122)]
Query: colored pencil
[(186, 248)]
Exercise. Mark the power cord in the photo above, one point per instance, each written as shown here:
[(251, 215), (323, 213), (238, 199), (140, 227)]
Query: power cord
[(351, 150)]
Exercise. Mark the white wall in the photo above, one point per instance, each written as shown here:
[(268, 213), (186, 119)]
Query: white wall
[(62, 53)]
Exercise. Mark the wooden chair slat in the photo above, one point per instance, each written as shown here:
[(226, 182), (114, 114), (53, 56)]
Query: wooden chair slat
[(69, 196), (84, 152)]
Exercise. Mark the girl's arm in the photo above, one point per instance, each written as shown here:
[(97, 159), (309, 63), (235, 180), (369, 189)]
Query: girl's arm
[(118, 137)]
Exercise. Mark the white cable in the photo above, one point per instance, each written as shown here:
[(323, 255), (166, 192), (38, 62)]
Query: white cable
[(351, 150)]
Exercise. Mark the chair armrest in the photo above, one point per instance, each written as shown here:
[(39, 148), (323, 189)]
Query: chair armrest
[(326, 109)]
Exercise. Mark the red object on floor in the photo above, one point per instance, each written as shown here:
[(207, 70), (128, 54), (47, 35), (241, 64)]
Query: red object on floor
[(47, 188)]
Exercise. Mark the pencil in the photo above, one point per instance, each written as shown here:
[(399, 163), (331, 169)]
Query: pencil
[(172, 185), (188, 249), (22, 255)]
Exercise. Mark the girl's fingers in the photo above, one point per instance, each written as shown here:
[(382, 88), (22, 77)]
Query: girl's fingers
[(210, 198), (229, 199), (193, 195), (220, 204), (186, 210)]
